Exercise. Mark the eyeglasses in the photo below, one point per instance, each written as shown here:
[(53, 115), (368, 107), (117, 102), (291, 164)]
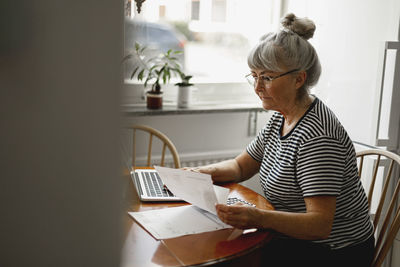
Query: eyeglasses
[(266, 79)]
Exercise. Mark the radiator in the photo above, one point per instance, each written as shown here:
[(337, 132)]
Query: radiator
[(190, 159)]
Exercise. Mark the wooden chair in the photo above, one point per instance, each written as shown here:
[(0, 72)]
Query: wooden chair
[(387, 231), (166, 143)]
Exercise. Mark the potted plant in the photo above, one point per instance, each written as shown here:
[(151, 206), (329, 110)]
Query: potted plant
[(154, 70), (184, 90)]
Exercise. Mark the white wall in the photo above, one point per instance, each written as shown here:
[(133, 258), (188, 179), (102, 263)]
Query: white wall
[(348, 40), (60, 185)]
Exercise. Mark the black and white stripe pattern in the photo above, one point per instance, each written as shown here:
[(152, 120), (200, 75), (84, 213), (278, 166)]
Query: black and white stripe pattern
[(316, 158)]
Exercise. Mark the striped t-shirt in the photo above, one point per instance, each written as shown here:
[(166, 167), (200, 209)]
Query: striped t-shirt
[(316, 158)]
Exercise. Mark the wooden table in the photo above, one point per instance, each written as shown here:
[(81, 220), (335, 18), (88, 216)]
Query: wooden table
[(210, 248)]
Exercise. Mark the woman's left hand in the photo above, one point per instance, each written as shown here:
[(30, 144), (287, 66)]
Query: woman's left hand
[(240, 216)]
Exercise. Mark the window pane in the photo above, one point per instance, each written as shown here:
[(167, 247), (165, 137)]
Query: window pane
[(161, 11), (195, 10), (218, 10), (215, 35)]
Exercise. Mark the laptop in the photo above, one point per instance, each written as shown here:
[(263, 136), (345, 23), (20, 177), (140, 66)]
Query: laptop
[(150, 187)]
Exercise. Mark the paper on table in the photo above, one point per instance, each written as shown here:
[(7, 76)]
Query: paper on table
[(193, 187), (178, 221)]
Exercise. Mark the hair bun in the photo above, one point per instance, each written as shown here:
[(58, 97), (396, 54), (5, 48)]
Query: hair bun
[(301, 26)]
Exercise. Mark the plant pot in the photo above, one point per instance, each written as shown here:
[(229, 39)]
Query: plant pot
[(184, 96), (154, 101)]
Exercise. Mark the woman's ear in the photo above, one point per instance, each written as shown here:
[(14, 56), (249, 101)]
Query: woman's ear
[(300, 79)]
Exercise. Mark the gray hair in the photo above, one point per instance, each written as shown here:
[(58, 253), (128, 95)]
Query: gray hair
[(288, 49)]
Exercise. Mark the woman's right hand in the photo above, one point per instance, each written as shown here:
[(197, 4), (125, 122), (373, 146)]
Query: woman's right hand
[(202, 169), (238, 169), (224, 171)]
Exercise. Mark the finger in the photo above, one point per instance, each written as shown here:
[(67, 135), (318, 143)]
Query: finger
[(207, 169), (229, 217), (192, 169), (221, 206), (223, 213), (221, 210), (226, 210), (222, 216), (233, 222), (235, 209), (239, 217)]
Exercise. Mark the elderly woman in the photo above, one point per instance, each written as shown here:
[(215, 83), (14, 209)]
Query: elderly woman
[(306, 161)]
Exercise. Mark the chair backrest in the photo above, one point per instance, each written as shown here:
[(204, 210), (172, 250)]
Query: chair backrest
[(166, 143), (391, 221)]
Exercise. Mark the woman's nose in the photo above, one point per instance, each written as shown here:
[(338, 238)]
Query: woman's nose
[(259, 85)]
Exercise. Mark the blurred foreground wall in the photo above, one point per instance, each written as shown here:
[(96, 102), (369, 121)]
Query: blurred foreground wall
[(59, 166)]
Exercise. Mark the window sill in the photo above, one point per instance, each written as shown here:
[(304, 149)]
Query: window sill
[(196, 108), (206, 98)]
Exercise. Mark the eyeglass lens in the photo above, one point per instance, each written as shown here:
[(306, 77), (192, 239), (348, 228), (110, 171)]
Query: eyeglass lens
[(266, 79)]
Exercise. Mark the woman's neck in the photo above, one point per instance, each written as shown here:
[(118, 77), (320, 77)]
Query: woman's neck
[(294, 114)]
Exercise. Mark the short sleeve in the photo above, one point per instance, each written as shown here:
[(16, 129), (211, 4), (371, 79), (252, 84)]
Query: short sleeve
[(320, 167), (257, 146)]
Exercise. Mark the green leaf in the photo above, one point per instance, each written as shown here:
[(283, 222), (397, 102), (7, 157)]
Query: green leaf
[(127, 57), (134, 72), (178, 52), (149, 78), (164, 78), (152, 68), (140, 75), (162, 69), (177, 65), (137, 46), (146, 81), (168, 74)]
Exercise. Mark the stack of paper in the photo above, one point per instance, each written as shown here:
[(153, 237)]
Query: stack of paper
[(195, 188)]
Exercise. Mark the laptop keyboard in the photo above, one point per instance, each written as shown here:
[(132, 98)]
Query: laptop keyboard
[(154, 186), (234, 200)]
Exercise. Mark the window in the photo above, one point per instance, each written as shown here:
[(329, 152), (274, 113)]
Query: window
[(218, 10), (215, 35), (195, 10), (161, 11)]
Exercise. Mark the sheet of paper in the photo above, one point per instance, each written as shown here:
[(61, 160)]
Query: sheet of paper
[(221, 193), (178, 221), (193, 187)]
